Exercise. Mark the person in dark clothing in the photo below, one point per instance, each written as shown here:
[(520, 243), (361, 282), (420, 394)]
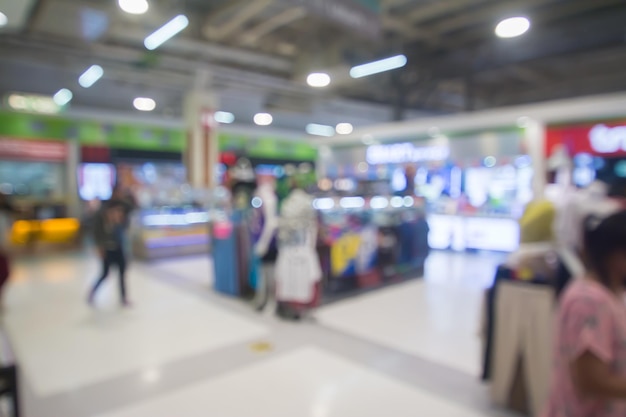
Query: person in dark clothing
[(109, 238)]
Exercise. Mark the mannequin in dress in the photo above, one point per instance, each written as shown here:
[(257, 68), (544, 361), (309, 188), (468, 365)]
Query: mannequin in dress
[(264, 228), (297, 269)]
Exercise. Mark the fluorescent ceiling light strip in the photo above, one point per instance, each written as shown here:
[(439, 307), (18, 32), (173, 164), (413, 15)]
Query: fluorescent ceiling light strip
[(224, 117), (166, 32), (320, 130), (377, 67), (91, 76), (62, 97)]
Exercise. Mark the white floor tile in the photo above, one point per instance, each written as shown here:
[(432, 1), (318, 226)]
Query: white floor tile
[(63, 345), (309, 382), (436, 319)]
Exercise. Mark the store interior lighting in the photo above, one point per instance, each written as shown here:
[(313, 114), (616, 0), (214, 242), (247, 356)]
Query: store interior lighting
[(63, 97), (224, 117), (512, 27), (134, 6), (166, 32), (91, 76), (4, 20), (320, 130), (318, 79), (263, 119), (377, 67), (344, 128), (144, 104)]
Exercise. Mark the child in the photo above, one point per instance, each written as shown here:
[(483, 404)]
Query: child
[(109, 238)]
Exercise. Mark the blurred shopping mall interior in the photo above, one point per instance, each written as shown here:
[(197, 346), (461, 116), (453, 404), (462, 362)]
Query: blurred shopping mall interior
[(309, 204)]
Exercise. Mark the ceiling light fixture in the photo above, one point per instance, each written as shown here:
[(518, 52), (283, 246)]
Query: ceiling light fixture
[(318, 79), (63, 97), (344, 128), (4, 20), (166, 32), (91, 76), (144, 104), (320, 130), (224, 117), (377, 67), (134, 6), (263, 119), (512, 27)]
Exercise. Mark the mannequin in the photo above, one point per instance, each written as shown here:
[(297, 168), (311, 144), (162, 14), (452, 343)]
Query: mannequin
[(264, 226), (298, 269)]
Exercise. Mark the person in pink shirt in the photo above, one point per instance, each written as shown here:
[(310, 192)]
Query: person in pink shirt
[(589, 374)]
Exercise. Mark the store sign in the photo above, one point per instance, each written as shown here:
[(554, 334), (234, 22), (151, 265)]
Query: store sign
[(30, 150), (404, 153), (604, 139), (357, 15), (33, 103)]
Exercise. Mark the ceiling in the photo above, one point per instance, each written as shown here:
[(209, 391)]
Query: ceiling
[(258, 53)]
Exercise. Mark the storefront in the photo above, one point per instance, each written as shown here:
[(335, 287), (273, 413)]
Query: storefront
[(597, 149), (474, 186)]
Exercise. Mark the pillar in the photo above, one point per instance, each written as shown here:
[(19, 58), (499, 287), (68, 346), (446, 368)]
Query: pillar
[(535, 139), (202, 151)]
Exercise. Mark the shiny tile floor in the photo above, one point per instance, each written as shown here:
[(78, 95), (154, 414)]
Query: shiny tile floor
[(182, 350)]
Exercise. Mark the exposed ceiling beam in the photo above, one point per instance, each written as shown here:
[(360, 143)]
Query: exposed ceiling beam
[(241, 16), (253, 35), (436, 9)]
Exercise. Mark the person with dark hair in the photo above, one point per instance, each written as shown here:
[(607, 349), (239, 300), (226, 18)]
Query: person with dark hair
[(109, 238), (589, 376)]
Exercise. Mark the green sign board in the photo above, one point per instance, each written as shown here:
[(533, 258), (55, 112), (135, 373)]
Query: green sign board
[(149, 138)]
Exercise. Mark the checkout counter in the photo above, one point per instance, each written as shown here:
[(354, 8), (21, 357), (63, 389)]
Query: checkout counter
[(170, 232)]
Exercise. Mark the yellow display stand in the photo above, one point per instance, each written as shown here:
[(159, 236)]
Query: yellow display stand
[(26, 232)]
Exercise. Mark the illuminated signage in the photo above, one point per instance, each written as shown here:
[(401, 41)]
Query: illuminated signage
[(405, 152), (606, 139), (33, 103)]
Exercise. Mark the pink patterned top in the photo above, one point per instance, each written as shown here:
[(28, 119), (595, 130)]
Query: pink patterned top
[(590, 319)]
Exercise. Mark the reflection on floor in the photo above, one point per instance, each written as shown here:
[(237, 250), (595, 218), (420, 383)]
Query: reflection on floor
[(183, 350), (436, 318), (312, 379)]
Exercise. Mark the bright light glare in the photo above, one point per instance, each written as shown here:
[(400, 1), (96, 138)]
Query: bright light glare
[(352, 202), (377, 67), (397, 202), (378, 203), (144, 104), (224, 117), (166, 32), (320, 130), (91, 76), (324, 204), (134, 6), (344, 128), (62, 97), (512, 27), (3, 19), (318, 79), (263, 119)]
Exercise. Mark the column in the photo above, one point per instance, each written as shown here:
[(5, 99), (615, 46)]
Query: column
[(202, 151), (535, 139)]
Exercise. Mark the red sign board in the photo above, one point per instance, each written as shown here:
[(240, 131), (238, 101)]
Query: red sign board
[(600, 139), (30, 150)]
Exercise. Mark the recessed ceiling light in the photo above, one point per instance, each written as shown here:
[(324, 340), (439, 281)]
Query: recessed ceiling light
[(134, 6), (166, 32), (377, 67), (3, 19), (318, 79), (144, 104), (62, 97), (320, 130), (263, 119), (344, 128), (224, 117), (90, 76), (512, 27)]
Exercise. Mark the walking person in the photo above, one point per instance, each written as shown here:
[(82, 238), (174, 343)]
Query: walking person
[(109, 237)]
